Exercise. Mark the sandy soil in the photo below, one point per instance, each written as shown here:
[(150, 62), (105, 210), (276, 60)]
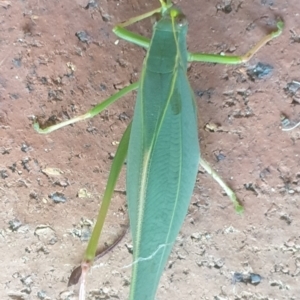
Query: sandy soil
[(46, 71)]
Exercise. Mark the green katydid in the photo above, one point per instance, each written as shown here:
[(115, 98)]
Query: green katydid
[(161, 146)]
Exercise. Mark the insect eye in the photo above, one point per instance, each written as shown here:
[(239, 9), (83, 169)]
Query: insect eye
[(156, 17), (181, 20)]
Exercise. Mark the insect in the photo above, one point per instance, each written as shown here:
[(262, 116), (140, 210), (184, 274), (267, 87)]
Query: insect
[(161, 146)]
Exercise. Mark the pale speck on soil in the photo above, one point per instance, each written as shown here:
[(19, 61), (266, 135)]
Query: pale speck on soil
[(47, 72)]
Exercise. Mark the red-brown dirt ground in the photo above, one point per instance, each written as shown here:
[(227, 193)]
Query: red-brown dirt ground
[(46, 71)]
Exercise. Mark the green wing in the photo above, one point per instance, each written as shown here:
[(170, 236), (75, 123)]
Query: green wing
[(163, 159)]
